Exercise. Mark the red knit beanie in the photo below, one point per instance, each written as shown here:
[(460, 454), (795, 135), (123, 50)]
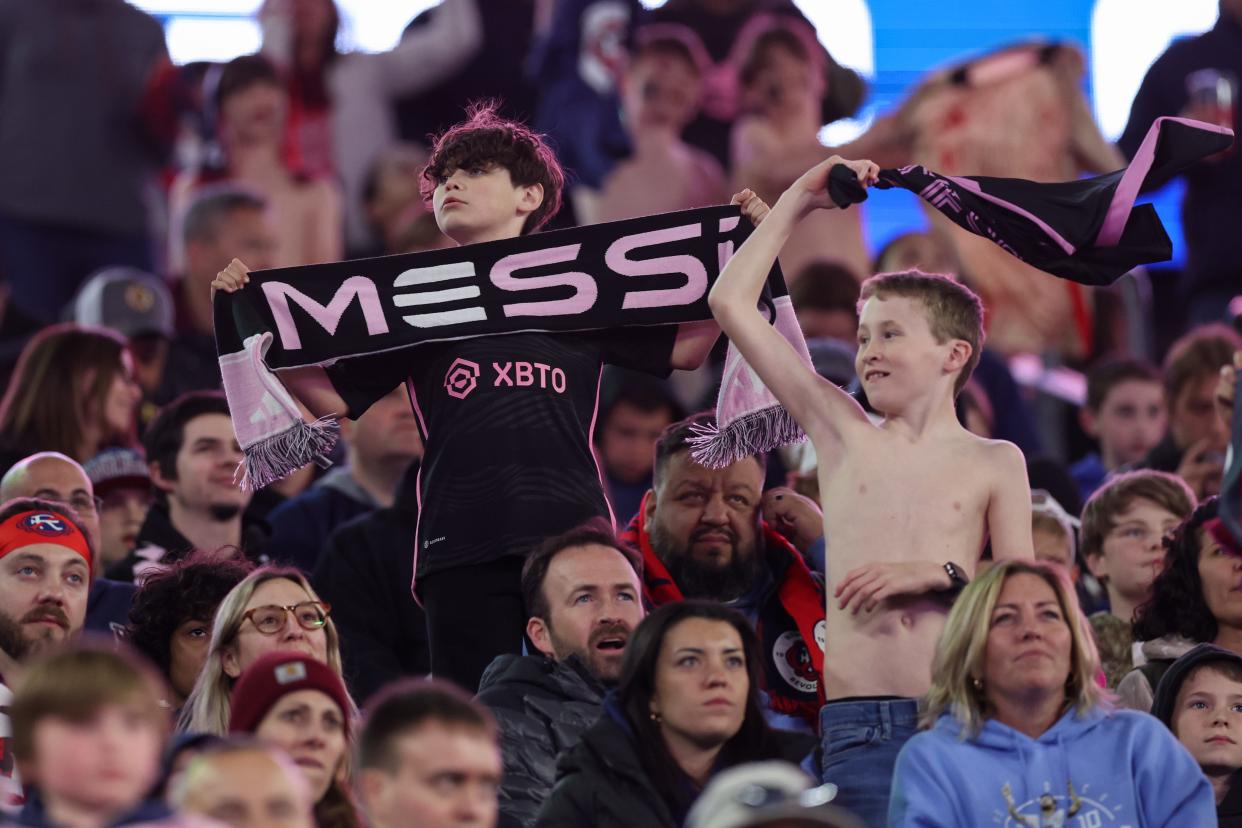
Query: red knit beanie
[(276, 675)]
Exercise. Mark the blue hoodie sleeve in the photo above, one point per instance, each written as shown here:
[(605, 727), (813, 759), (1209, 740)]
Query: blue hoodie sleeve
[(923, 795), (1171, 788)]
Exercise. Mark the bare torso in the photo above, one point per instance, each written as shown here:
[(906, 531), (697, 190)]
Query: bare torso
[(888, 500)]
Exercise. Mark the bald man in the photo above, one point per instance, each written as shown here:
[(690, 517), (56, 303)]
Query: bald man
[(243, 784), (52, 476)]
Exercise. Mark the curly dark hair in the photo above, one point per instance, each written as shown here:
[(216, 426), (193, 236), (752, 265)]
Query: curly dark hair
[(1177, 606), (485, 139), (188, 589)]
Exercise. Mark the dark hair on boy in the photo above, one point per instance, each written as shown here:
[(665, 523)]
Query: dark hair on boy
[(189, 589), (639, 391), (676, 438), (1107, 374), (241, 73), (1117, 495), (1200, 352), (166, 432), (595, 532), (954, 311), (212, 205), (406, 705), (671, 40), (485, 139), (826, 286)]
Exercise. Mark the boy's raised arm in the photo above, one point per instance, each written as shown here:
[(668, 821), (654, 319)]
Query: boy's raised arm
[(818, 406), (1009, 510)]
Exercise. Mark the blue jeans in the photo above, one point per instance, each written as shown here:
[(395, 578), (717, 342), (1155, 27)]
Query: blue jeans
[(861, 741)]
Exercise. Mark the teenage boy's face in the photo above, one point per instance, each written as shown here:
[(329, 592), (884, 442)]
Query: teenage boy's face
[(481, 203), (206, 464), (1133, 550), (1207, 718), (898, 358), (1131, 420), (106, 763)]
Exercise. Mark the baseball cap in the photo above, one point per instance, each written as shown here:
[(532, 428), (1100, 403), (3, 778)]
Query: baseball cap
[(117, 467), (130, 301), (755, 794)]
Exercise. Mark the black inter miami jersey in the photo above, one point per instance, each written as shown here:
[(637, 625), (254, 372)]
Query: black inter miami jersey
[(506, 423)]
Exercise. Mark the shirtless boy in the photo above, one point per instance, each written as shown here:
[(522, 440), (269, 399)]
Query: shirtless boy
[(908, 503)]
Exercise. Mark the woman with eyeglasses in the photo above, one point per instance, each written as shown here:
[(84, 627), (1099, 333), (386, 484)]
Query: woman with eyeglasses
[(687, 707), (297, 703), (1022, 734), (272, 610)]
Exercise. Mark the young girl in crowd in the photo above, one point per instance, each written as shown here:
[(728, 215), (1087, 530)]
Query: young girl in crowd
[(1019, 726), (686, 708), (272, 610)]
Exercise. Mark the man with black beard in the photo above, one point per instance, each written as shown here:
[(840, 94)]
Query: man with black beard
[(46, 562), (702, 535), (583, 595), (193, 456)]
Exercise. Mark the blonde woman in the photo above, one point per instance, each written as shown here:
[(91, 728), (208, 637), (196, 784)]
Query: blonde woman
[(273, 609), (1021, 733)]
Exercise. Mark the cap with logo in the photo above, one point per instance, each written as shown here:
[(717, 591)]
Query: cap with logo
[(117, 468), (39, 526), (130, 301), (274, 676)]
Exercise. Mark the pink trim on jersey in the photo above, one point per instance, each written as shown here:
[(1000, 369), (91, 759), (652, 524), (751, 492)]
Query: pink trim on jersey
[(599, 470), (418, 487)]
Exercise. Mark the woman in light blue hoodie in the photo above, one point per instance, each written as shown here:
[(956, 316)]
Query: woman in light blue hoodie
[(1021, 732)]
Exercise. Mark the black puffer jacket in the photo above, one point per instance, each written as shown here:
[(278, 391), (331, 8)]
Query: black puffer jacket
[(543, 707), (601, 783)]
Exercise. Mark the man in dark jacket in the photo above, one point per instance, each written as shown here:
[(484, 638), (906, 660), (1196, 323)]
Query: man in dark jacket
[(583, 593), (702, 535)]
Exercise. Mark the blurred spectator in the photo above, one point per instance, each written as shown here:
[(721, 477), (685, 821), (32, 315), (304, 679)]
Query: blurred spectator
[(825, 299), (16, 328), (918, 250), (122, 483), (783, 77), (172, 613), (1125, 412), (395, 211), (584, 595), (43, 589), (73, 392), (54, 477), (365, 572), (767, 795), (635, 412), (1198, 701), (271, 610), (1199, 78), (340, 104), (687, 708), (242, 783), (251, 106), (1036, 736), (660, 93), (223, 222), (88, 732), (379, 447), (193, 457), (427, 758), (139, 307), (1194, 448), (1194, 600), (701, 535), (1054, 532), (1124, 526), (86, 117), (299, 704)]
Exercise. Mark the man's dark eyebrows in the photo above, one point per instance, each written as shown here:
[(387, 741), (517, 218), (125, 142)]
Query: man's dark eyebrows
[(206, 442)]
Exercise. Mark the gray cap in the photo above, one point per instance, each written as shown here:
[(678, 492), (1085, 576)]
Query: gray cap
[(117, 467), (755, 794), (131, 302)]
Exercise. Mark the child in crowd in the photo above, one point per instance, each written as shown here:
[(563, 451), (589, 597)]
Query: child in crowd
[(659, 96), (908, 503), (1124, 525), (490, 179), (1125, 412), (1054, 531), (88, 732)]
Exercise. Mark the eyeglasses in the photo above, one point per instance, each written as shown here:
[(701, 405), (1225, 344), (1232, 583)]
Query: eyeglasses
[(82, 503), (270, 619)]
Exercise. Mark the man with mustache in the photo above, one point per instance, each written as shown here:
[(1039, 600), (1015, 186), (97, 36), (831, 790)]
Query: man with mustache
[(702, 534), (45, 575), (583, 593)]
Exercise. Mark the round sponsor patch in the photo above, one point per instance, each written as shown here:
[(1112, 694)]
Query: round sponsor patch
[(139, 297), (793, 662), (46, 524), (821, 635)]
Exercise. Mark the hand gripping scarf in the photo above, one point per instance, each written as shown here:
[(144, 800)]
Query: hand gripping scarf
[(1087, 231)]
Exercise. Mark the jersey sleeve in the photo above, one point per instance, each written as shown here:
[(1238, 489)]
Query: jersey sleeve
[(646, 349), (362, 380)]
